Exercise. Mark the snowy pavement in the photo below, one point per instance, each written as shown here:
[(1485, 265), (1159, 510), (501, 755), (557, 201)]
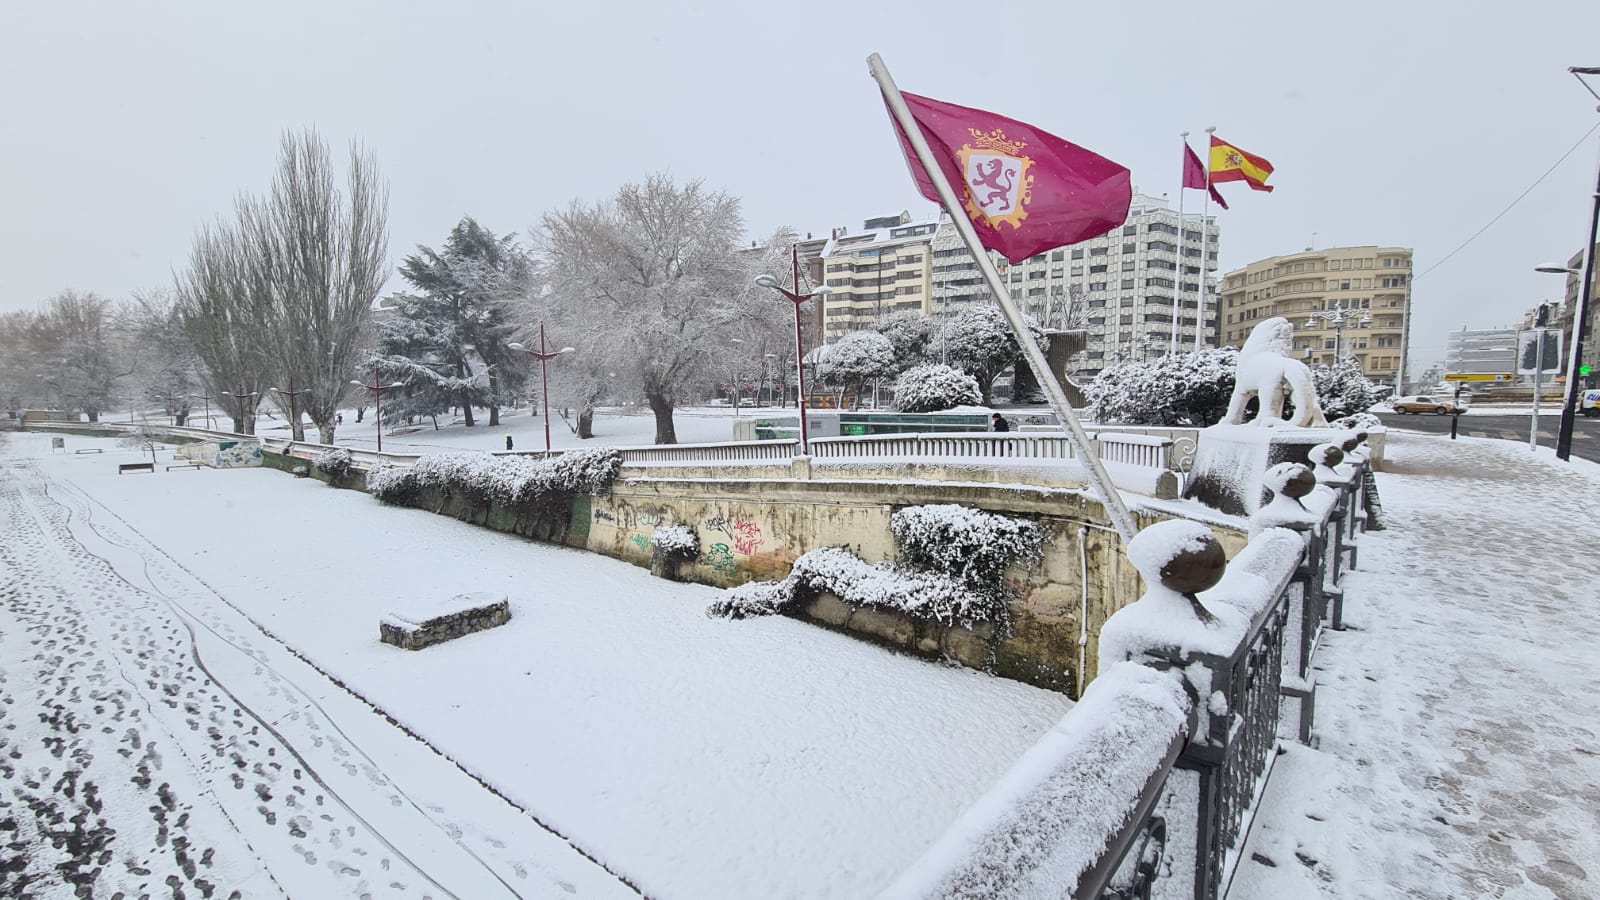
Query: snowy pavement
[(1458, 722), (220, 616)]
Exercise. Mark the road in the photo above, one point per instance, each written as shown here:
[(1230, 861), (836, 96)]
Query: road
[(1585, 433)]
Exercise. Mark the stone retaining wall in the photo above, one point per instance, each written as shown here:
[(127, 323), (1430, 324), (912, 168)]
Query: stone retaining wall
[(409, 631)]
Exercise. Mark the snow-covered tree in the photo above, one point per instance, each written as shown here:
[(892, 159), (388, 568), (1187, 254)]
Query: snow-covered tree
[(856, 360), (81, 352), (935, 387), (655, 281), (447, 340), (1180, 389), (912, 335), (979, 342), (1343, 390), (226, 305), (166, 369)]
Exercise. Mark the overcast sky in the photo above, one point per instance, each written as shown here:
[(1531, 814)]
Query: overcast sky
[(123, 125)]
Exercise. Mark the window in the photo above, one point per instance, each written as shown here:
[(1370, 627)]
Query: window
[(1127, 284), (1097, 251), (907, 260), (1128, 266), (1058, 256), (1095, 270), (1055, 272), (1077, 270), (1130, 230), (1344, 285), (1078, 253), (1161, 246), (1035, 292), (1129, 247), (1036, 274), (1097, 285), (909, 289)]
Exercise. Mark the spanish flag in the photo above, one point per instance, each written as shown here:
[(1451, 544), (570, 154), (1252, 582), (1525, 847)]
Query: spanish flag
[(1229, 163)]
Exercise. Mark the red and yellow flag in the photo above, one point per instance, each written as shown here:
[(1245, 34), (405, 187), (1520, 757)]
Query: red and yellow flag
[(1229, 163)]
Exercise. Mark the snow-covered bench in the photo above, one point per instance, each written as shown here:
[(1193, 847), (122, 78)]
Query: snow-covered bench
[(435, 623)]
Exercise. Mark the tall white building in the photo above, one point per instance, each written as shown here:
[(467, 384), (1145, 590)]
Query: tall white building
[(877, 272), (1120, 287)]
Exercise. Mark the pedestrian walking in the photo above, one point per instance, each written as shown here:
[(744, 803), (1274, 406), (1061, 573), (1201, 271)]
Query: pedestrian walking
[(1000, 423), (508, 442)]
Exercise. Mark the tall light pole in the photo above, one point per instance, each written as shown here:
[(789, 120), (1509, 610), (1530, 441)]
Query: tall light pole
[(294, 416), (242, 396), (377, 394), (766, 380), (797, 298), (1336, 317), (207, 399), (544, 357)]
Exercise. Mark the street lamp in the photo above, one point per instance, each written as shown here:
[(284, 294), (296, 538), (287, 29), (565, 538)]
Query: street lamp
[(377, 394), (1569, 407), (544, 357), (766, 380), (1580, 328), (1336, 317), (207, 399), (242, 396), (797, 298), (294, 416)]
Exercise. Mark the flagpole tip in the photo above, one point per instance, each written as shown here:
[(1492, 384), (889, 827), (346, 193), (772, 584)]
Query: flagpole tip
[(1210, 129)]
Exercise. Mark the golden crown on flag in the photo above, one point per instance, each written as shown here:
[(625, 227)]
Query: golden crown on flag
[(996, 140)]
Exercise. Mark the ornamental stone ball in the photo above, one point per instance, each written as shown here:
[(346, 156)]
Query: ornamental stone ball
[(1179, 558), (1191, 571), (1290, 479), (1326, 455), (1354, 440)]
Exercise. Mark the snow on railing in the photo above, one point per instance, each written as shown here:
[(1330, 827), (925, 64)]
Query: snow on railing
[(729, 451), (1130, 449), (1121, 794)]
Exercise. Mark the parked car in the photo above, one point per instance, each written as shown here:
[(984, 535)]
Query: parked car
[(1589, 403), (1421, 403)]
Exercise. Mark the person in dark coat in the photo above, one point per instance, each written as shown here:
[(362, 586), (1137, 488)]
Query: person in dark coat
[(1000, 423)]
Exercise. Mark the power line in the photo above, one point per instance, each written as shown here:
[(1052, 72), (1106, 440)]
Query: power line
[(1501, 214)]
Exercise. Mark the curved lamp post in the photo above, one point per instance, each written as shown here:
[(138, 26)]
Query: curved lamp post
[(377, 393), (1336, 317), (241, 396), (291, 393), (543, 356), (797, 298)]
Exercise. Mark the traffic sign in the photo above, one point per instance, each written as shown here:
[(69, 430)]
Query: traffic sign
[(1475, 376)]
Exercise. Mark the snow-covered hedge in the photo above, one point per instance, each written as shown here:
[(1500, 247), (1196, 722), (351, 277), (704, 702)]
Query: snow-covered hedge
[(1180, 389), (952, 570), (1343, 390), (333, 463), (970, 545), (676, 541), (1361, 421), (508, 480), (934, 388), (835, 570)]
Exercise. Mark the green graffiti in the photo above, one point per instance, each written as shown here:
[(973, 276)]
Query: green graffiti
[(640, 541), (720, 558)]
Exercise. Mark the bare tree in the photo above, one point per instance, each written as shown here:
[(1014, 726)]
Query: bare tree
[(167, 371), (225, 308), (80, 352), (321, 253), (656, 280)]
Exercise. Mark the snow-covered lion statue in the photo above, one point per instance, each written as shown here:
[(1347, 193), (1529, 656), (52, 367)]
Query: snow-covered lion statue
[(1264, 367)]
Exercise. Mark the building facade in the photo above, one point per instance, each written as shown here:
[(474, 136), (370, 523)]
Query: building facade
[(880, 271), (1124, 288), (1569, 308), (1350, 302)]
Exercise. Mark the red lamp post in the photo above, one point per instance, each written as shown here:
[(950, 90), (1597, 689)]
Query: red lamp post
[(543, 356), (797, 298), (377, 393)]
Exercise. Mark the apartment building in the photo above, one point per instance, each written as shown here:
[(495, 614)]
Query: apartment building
[(1569, 306), (1120, 287), (1350, 301), (880, 271)]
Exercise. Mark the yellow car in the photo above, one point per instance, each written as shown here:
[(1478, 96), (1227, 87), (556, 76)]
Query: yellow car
[(1417, 405)]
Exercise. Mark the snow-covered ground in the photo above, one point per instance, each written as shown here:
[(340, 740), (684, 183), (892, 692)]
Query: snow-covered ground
[(204, 622), (1458, 726)]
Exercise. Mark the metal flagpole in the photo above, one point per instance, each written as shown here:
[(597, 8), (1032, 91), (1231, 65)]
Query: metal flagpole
[(1205, 250), (1177, 289), (1115, 508)]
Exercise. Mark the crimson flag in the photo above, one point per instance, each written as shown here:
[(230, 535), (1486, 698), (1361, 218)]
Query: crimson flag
[(1194, 175), (1024, 189)]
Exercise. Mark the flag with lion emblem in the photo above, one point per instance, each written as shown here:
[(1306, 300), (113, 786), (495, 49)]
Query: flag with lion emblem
[(1024, 189)]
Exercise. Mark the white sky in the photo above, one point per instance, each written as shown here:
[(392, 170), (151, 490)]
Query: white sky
[(126, 125)]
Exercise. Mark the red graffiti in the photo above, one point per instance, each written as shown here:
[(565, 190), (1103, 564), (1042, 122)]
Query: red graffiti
[(746, 537)]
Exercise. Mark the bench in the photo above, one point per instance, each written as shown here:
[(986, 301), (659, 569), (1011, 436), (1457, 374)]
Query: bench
[(187, 465), (461, 615), (136, 467), (88, 450)]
